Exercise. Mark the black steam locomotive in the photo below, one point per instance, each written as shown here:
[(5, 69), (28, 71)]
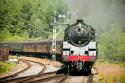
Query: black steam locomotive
[(79, 48)]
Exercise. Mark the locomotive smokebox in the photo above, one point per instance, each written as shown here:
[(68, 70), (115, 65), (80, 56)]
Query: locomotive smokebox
[(79, 34)]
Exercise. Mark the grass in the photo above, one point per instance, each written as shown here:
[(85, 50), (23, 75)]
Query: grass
[(5, 67), (110, 72)]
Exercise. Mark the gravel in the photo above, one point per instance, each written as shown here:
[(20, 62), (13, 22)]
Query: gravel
[(34, 69), (77, 79), (50, 68)]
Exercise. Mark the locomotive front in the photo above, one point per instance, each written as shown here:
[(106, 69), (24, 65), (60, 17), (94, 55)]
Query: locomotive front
[(79, 47)]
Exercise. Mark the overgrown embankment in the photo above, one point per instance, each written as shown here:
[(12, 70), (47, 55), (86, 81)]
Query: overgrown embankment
[(110, 72)]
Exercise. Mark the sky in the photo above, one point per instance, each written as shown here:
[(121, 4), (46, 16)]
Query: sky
[(98, 13)]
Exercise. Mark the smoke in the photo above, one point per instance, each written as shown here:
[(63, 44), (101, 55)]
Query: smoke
[(98, 13)]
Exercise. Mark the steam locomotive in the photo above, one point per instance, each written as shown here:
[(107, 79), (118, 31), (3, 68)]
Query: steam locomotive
[(79, 50)]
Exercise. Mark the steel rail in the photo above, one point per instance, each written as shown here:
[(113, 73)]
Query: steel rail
[(25, 78)]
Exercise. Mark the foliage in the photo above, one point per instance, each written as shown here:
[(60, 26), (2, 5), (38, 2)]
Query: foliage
[(112, 44), (4, 67), (24, 19)]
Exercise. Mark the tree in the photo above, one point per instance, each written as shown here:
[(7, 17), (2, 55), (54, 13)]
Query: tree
[(30, 18), (111, 43)]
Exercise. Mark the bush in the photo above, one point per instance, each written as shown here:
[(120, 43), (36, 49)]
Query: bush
[(123, 64), (4, 67)]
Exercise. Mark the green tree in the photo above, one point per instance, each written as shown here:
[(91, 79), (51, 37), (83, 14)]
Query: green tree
[(29, 18), (111, 44)]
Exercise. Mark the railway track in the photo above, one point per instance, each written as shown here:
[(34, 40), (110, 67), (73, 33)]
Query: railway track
[(19, 78), (51, 78), (79, 79), (42, 77), (15, 74), (61, 78)]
